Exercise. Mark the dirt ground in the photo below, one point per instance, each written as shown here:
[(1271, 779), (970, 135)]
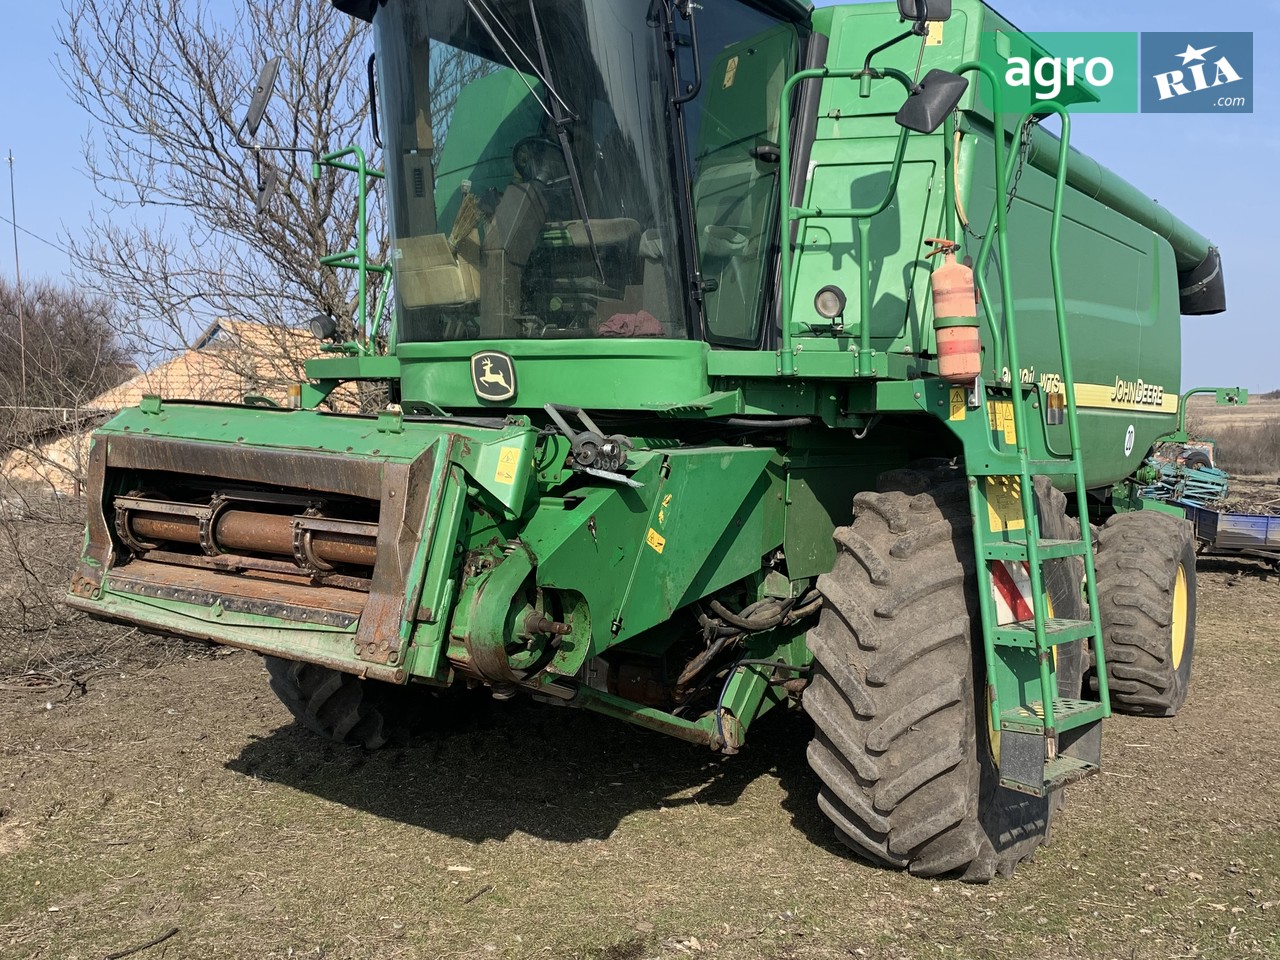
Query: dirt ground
[(169, 789)]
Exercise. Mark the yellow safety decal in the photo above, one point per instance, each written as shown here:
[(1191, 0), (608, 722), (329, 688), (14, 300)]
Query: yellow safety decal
[(656, 540), (934, 37), (662, 510), (730, 72), (1000, 413), (958, 404), (1004, 504), (508, 460)]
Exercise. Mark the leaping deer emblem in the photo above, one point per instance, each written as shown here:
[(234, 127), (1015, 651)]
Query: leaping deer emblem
[(489, 376), (494, 376)]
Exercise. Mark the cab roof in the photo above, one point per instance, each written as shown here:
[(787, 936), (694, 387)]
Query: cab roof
[(795, 10)]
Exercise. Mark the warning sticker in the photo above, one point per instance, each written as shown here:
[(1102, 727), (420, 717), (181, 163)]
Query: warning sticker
[(957, 404), (508, 461), (1000, 412), (656, 540), (730, 72), (1004, 504)]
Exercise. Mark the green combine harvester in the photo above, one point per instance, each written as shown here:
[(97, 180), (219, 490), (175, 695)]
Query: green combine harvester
[(688, 421)]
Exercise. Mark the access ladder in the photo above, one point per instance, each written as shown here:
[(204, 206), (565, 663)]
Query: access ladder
[(1041, 739)]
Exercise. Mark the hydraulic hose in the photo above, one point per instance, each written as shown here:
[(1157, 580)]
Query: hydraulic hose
[(763, 424), (748, 623)]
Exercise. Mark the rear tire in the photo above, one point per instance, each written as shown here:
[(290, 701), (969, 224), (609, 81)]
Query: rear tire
[(1146, 567), (908, 777), (340, 706)]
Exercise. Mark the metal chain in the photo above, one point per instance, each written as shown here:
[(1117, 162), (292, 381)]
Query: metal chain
[(1024, 148)]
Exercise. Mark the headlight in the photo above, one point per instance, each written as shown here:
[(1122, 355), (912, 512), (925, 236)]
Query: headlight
[(830, 302)]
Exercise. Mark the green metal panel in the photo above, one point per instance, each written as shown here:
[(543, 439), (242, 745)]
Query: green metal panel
[(1120, 284), (602, 373), (855, 172), (703, 519), (824, 471)]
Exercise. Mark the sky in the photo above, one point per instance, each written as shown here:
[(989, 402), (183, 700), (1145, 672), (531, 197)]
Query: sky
[(1211, 170)]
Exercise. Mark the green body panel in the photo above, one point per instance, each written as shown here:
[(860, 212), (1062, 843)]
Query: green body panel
[(703, 525), (1121, 289), (608, 374), (1120, 276)]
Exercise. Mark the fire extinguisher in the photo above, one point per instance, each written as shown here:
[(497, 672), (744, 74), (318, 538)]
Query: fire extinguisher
[(955, 316)]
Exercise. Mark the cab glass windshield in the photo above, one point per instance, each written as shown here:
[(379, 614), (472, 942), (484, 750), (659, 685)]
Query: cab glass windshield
[(529, 170)]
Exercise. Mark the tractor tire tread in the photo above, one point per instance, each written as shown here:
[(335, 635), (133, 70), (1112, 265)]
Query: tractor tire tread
[(906, 781), (335, 705), (1136, 566)]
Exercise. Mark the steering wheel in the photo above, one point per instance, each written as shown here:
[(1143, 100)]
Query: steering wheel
[(539, 158)]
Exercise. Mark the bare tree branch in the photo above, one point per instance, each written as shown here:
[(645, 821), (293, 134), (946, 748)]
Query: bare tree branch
[(178, 243)]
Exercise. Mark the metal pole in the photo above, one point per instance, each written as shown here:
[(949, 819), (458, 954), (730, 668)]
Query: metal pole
[(17, 269)]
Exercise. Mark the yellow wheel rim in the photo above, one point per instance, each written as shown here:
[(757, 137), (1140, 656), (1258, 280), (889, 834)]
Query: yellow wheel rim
[(1179, 639)]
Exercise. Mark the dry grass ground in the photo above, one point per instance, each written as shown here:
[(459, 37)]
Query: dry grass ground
[(175, 792), (1248, 437)]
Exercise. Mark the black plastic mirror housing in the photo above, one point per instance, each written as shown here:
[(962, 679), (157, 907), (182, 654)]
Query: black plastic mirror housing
[(261, 95), (934, 10), (928, 106)]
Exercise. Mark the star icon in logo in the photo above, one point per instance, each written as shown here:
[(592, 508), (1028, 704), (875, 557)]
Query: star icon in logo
[(1191, 53)]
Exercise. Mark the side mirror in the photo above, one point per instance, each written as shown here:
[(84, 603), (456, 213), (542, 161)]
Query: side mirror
[(267, 182), (932, 100), (262, 91), (922, 10)]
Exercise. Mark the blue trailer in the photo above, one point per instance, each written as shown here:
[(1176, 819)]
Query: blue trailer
[(1235, 534)]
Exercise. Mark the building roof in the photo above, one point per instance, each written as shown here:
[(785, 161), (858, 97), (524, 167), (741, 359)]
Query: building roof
[(230, 359)]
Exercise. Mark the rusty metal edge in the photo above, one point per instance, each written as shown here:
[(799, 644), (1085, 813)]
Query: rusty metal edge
[(139, 617)]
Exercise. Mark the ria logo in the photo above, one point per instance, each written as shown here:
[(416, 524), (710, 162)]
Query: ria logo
[(1197, 73), (493, 375), (1174, 83)]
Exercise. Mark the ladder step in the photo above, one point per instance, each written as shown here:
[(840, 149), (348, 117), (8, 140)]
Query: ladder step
[(1048, 549), (1011, 467), (1052, 468), (1022, 633), (1067, 715), (1057, 773)]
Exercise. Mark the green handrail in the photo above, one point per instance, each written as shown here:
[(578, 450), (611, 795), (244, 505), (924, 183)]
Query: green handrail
[(1069, 390), (863, 215), (1030, 520), (996, 228), (358, 259), (1006, 297)]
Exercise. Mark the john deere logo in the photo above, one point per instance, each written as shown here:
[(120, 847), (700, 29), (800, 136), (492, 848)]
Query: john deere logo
[(493, 375)]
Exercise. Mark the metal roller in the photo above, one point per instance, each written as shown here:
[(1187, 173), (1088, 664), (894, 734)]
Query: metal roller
[(316, 543)]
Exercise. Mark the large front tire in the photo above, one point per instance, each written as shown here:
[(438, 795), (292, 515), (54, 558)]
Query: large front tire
[(903, 743), (1146, 567), (340, 706)]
